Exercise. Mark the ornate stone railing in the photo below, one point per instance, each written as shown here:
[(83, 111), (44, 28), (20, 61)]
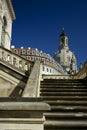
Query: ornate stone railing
[(57, 77), (82, 73), (15, 61)]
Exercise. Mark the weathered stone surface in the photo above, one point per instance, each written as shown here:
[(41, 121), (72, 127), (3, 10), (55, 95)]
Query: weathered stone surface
[(36, 106), (10, 86), (23, 126), (22, 115), (33, 84)]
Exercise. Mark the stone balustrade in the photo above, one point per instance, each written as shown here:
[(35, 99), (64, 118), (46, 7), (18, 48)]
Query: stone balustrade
[(14, 60), (82, 73), (57, 76)]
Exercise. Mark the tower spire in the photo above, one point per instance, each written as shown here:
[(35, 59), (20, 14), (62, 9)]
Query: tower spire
[(62, 29), (62, 33), (64, 56)]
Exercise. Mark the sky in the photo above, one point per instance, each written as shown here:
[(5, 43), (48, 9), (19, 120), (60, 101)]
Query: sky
[(39, 23)]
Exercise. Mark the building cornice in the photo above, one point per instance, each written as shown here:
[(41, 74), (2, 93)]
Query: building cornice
[(11, 9)]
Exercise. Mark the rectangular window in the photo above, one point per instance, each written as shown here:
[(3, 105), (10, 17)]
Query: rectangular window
[(43, 68), (47, 69)]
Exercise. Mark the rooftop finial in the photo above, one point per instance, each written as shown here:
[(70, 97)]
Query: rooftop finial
[(62, 33), (62, 29)]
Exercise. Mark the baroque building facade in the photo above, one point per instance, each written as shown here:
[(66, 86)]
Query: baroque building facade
[(49, 65), (27, 102), (64, 56)]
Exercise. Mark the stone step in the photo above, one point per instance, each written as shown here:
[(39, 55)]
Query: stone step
[(68, 101), (65, 80), (64, 93), (78, 84), (63, 90), (66, 116), (65, 102), (69, 98), (65, 125), (57, 128), (69, 108), (63, 86)]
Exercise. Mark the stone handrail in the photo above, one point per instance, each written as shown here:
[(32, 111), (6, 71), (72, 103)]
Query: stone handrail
[(22, 114), (33, 83), (57, 77), (82, 73), (15, 61)]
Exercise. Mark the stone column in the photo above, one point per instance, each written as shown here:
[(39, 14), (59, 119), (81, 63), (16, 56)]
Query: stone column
[(0, 29)]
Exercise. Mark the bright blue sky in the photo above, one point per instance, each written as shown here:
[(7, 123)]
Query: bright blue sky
[(38, 24)]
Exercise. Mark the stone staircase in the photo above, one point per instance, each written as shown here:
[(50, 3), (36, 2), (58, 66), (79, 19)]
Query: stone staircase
[(68, 101)]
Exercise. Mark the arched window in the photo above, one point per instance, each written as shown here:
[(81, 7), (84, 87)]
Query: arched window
[(20, 64), (62, 40), (8, 58), (47, 70), (3, 55), (14, 61), (5, 21), (43, 68)]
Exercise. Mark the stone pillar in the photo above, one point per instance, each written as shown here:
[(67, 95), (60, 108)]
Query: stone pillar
[(8, 33), (32, 88), (24, 114), (0, 29)]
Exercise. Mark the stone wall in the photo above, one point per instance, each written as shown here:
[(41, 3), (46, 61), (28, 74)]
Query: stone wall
[(23, 114)]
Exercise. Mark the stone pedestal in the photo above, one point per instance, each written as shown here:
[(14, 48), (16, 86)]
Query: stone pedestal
[(23, 114)]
